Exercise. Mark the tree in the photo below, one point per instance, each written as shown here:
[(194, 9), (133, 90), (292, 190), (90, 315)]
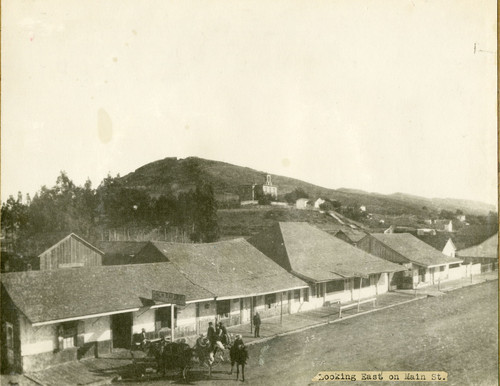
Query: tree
[(206, 227), (295, 195)]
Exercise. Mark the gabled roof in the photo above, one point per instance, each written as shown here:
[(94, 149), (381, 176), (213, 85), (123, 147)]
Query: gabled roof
[(352, 234), (76, 237), (129, 248), (415, 250), (229, 269), (316, 255), (437, 241), (488, 248), (67, 293)]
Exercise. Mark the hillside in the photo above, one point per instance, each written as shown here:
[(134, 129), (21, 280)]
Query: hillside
[(178, 175)]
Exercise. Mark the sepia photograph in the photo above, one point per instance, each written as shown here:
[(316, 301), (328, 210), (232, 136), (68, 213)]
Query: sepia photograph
[(217, 192)]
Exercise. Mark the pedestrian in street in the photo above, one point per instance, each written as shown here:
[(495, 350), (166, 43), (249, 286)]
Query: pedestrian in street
[(234, 350), (241, 357), (256, 323)]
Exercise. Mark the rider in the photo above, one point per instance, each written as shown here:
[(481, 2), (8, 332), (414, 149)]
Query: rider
[(223, 334), (203, 348), (211, 336)]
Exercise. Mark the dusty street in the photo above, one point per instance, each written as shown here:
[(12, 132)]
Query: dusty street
[(457, 333)]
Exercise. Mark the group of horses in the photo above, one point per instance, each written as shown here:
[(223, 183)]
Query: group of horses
[(171, 356)]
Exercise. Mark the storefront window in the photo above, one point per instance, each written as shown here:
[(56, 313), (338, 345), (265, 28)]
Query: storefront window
[(270, 300), (67, 335), (334, 286), (223, 308), (163, 317)]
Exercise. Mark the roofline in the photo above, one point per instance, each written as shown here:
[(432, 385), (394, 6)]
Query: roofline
[(54, 321), (69, 236), (413, 261), (260, 293), (316, 281), (112, 313)]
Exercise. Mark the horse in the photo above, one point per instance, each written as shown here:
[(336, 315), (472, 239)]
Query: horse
[(176, 355), (204, 352)]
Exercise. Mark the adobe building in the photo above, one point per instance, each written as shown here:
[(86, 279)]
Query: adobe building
[(334, 270), (426, 265)]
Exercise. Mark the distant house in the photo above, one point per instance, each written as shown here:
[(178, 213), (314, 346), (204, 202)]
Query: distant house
[(318, 203), (461, 218), (399, 229), (426, 231), (362, 208), (445, 225), (301, 203), (252, 192), (70, 252), (426, 265), (334, 270)]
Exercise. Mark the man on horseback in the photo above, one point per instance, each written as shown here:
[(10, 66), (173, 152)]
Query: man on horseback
[(222, 334)]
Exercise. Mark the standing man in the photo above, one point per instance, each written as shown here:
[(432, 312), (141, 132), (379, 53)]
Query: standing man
[(256, 323)]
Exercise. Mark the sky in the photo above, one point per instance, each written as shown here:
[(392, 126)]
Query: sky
[(384, 96)]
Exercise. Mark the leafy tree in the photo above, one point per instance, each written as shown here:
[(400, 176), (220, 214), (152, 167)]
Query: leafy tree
[(206, 228), (295, 195)]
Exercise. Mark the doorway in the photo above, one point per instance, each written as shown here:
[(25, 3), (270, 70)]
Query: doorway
[(121, 329)]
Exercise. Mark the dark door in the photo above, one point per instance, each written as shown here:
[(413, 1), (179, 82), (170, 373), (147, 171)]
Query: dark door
[(121, 327)]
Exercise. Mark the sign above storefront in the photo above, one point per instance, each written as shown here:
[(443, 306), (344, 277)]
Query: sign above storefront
[(169, 297)]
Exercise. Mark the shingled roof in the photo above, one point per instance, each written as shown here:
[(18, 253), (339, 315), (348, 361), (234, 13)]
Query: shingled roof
[(488, 248), (67, 293), (128, 248), (229, 269), (414, 250), (316, 255)]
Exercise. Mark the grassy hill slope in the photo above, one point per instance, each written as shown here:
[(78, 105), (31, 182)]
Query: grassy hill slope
[(177, 175)]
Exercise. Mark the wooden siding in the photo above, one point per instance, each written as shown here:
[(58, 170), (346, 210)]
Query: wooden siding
[(373, 246), (69, 253)]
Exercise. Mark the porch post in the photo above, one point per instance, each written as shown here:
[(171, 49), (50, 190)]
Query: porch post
[(172, 322), (281, 308), (359, 291), (251, 315)]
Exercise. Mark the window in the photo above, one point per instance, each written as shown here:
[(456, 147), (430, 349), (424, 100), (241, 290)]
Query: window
[(319, 290), (163, 317), (455, 265), (223, 308), (306, 294), (67, 335), (442, 268), (365, 282), (334, 286), (270, 300), (296, 295), (9, 335)]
